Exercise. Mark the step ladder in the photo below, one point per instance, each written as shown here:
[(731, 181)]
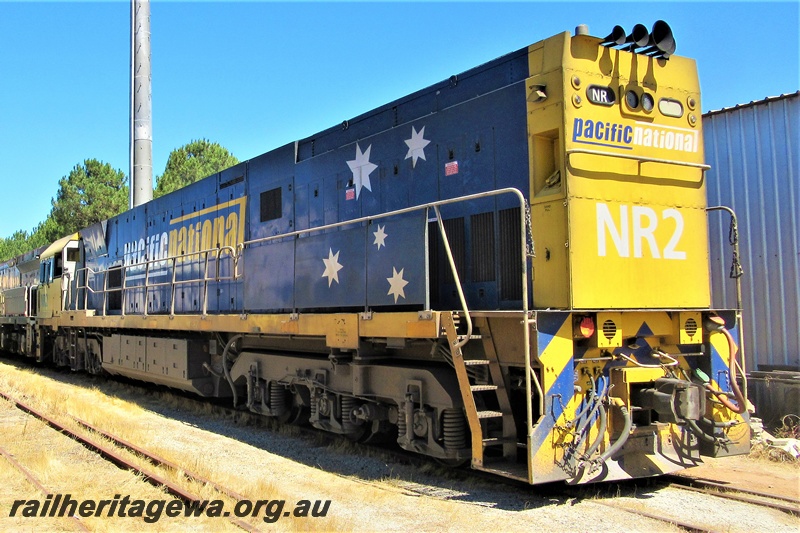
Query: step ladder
[(471, 388)]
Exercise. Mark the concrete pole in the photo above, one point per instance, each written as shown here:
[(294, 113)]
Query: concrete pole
[(141, 105)]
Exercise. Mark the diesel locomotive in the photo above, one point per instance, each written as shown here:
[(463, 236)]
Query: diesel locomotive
[(508, 269)]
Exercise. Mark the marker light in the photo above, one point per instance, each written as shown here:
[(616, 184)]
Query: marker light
[(647, 102), (587, 327), (632, 99)]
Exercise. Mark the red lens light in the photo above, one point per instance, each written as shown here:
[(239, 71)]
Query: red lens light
[(587, 327)]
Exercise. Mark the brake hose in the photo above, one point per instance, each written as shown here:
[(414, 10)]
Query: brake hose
[(614, 448), (225, 366), (601, 431)]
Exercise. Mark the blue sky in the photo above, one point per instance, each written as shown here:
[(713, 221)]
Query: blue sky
[(253, 76)]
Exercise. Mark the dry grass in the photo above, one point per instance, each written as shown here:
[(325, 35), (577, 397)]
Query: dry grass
[(132, 422), (64, 466), (789, 429), (764, 452)]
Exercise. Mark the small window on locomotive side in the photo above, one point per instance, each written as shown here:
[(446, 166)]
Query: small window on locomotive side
[(73, 254), (271, 206)]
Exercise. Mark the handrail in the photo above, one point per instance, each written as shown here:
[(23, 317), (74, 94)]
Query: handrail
[(124, 288), (736, 273), (640, 159), (451, 260)]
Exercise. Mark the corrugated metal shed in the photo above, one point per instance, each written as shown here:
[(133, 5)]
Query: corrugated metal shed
[(753, 152)]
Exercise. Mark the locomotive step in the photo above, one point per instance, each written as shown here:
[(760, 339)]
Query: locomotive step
[(489, 414), (494, 441), (481, 388), (471, 362)]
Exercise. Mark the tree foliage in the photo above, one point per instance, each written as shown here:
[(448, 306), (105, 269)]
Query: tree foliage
[(192, 162), (45, 233), (92, 192), (15, 245)]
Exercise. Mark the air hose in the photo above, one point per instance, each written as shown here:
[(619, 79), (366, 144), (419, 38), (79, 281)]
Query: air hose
[(715, 323), (699, 433), (614, 448), (601, 431), (225, 366), (595, 400)]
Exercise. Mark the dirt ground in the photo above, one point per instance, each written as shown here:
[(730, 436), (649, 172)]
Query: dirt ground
[(370, 492), (755, 473)]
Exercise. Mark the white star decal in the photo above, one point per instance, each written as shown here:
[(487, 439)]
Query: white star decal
[(416, 146), (332, 267), (396, 284), (380, 237), (361, 168)]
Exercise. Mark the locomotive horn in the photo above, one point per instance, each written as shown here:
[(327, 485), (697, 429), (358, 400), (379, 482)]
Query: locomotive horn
[(662, 40), (616, 37), (638, 37), (662, 37)]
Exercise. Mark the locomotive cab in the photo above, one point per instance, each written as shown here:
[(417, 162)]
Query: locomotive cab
[(57, 267)]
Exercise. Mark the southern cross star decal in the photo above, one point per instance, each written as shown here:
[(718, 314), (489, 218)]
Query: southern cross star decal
[(380, 237), (332, 267), (361, 168), (416, 146), (396, 284)]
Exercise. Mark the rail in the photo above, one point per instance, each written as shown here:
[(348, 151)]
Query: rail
[(736, 274), (639, 159), (29, 296), (208, 255)]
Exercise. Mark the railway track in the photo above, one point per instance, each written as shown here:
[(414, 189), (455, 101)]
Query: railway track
[(34, 480), (683, 524), (786, 504), (98, 435), (711, 488), (112, 454)]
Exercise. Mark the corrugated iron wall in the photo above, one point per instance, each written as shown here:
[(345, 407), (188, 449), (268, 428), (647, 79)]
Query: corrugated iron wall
[(753, 152)]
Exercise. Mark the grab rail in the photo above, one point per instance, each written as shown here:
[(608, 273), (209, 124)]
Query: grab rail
[(736, 274), (124, 288), (638, 158)]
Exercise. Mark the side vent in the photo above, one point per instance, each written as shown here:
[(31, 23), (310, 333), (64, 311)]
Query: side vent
[(434, 245), (482, 250), (455, 235), (271, 206), (510, 255)]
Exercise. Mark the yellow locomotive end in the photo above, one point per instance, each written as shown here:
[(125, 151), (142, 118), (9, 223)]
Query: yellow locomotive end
[(617, 182)]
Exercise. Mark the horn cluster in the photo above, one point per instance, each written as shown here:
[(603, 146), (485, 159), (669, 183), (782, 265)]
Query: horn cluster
[(658, 42)]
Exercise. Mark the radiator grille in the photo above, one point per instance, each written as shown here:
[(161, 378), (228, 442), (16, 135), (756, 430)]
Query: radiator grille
[(433, 268), (510, 254), (455, 235), (482, 247)]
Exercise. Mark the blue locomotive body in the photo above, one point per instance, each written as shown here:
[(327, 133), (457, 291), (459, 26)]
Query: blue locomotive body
[(459, 137)]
